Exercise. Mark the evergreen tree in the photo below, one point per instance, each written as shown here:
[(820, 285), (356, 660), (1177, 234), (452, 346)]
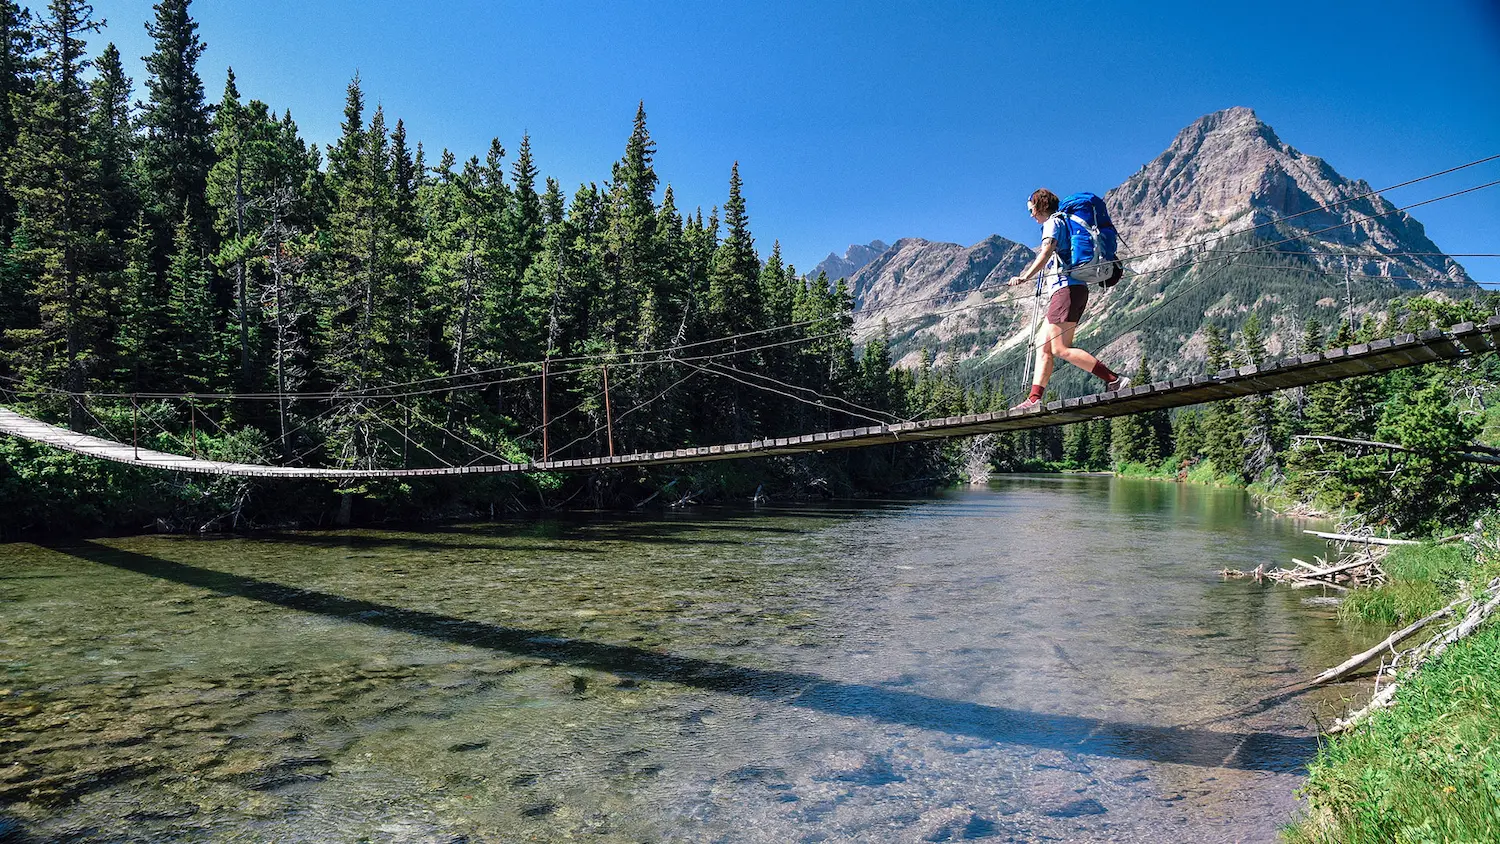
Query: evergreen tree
[(54, 176), (1260, 451), (734, 290), (229, 194), (114, 133), (355, 313), (525, 222), (191, 306), (1137, 438), (177, 150), (630, 242), (1100, 444), (1223, 425), (734, 304), (18, 68)]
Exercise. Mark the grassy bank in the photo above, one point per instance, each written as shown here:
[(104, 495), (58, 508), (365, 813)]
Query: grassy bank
[(1428, 768)]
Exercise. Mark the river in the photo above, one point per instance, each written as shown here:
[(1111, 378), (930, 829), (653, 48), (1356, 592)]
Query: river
[(1041, 659)]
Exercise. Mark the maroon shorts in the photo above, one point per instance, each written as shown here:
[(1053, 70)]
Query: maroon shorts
[(1068, 304)]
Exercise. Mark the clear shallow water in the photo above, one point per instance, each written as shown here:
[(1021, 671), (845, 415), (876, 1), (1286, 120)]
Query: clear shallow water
[(1020, 663)]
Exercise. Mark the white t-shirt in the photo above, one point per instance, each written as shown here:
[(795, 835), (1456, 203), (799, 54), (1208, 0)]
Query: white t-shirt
[(1053, 278)]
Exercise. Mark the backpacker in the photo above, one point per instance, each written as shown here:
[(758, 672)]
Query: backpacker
[(1088, 252)]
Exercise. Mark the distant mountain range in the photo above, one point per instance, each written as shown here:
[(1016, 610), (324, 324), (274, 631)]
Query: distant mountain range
[(1227, 220)]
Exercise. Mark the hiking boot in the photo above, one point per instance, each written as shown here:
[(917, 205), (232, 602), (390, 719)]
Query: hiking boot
[(1120, 383), (1027, 405)]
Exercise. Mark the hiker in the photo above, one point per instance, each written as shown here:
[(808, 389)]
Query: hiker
[(1069, 297)]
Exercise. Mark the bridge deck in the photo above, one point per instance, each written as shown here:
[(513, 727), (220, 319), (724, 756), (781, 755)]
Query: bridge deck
[(1460, 341)]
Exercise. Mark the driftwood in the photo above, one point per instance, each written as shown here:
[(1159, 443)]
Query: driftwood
[(1478, 454), (1353, 663), (1383, 698), (1369, 540)]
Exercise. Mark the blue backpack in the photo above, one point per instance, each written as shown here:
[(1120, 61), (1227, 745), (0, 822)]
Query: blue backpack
[(1088, 252)]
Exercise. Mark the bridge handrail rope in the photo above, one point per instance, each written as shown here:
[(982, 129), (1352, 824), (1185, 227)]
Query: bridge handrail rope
[(772, 390), (1461, 341), (890, 417)]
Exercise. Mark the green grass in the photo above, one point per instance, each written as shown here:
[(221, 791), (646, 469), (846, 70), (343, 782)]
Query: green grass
[(1422, 578), (1427, 770)]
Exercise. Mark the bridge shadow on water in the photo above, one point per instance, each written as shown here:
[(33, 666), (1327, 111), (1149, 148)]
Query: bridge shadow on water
[(1253, 751)]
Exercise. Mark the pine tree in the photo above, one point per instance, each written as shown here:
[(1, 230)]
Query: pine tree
[(18, 68), (1136, 438), (1260, 451), (177, 150), (1223, 425), (53, 174)]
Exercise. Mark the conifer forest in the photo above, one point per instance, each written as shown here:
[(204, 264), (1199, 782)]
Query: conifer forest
[(191, 274)]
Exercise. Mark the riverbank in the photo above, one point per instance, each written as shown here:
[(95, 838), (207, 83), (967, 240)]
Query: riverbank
[(1428, 767)]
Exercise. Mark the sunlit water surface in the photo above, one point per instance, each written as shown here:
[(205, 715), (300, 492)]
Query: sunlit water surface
[(1033, 661)]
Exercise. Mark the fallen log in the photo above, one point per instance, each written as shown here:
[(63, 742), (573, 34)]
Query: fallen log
[(1385, 697), (1369, 540), (1353, 663)]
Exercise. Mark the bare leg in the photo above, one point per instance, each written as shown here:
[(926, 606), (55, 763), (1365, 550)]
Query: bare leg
[(1063, 347), (1044, 353), (1058, 343)]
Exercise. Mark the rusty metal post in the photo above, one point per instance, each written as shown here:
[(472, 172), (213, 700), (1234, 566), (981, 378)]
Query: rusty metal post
[(544, 411), (609, 420)]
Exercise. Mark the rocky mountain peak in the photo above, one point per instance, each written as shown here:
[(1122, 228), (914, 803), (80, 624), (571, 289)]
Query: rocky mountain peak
[(853, 259), (1228, 172)]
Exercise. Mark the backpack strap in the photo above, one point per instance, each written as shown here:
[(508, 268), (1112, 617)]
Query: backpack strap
[(1062, 245)]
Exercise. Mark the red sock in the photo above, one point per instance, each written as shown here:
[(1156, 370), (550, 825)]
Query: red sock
[(1103, 371), (1036, 392)]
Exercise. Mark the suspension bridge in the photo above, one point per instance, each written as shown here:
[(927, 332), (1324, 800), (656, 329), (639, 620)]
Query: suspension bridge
[(1461, 341)]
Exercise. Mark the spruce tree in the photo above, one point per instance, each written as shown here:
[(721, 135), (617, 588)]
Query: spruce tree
[(1223, 424), (229, 194), (53, 174), (1260, 422), (1136, 438), (144, 335), (177, 149), (735, 303), (113, 129), (191, 306), (18, 68)]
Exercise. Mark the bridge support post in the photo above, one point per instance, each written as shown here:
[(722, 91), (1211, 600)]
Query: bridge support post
[(544, 411), (609, 421), (135, 425)]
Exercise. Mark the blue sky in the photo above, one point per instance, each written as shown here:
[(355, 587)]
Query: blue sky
[(856, 121)]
